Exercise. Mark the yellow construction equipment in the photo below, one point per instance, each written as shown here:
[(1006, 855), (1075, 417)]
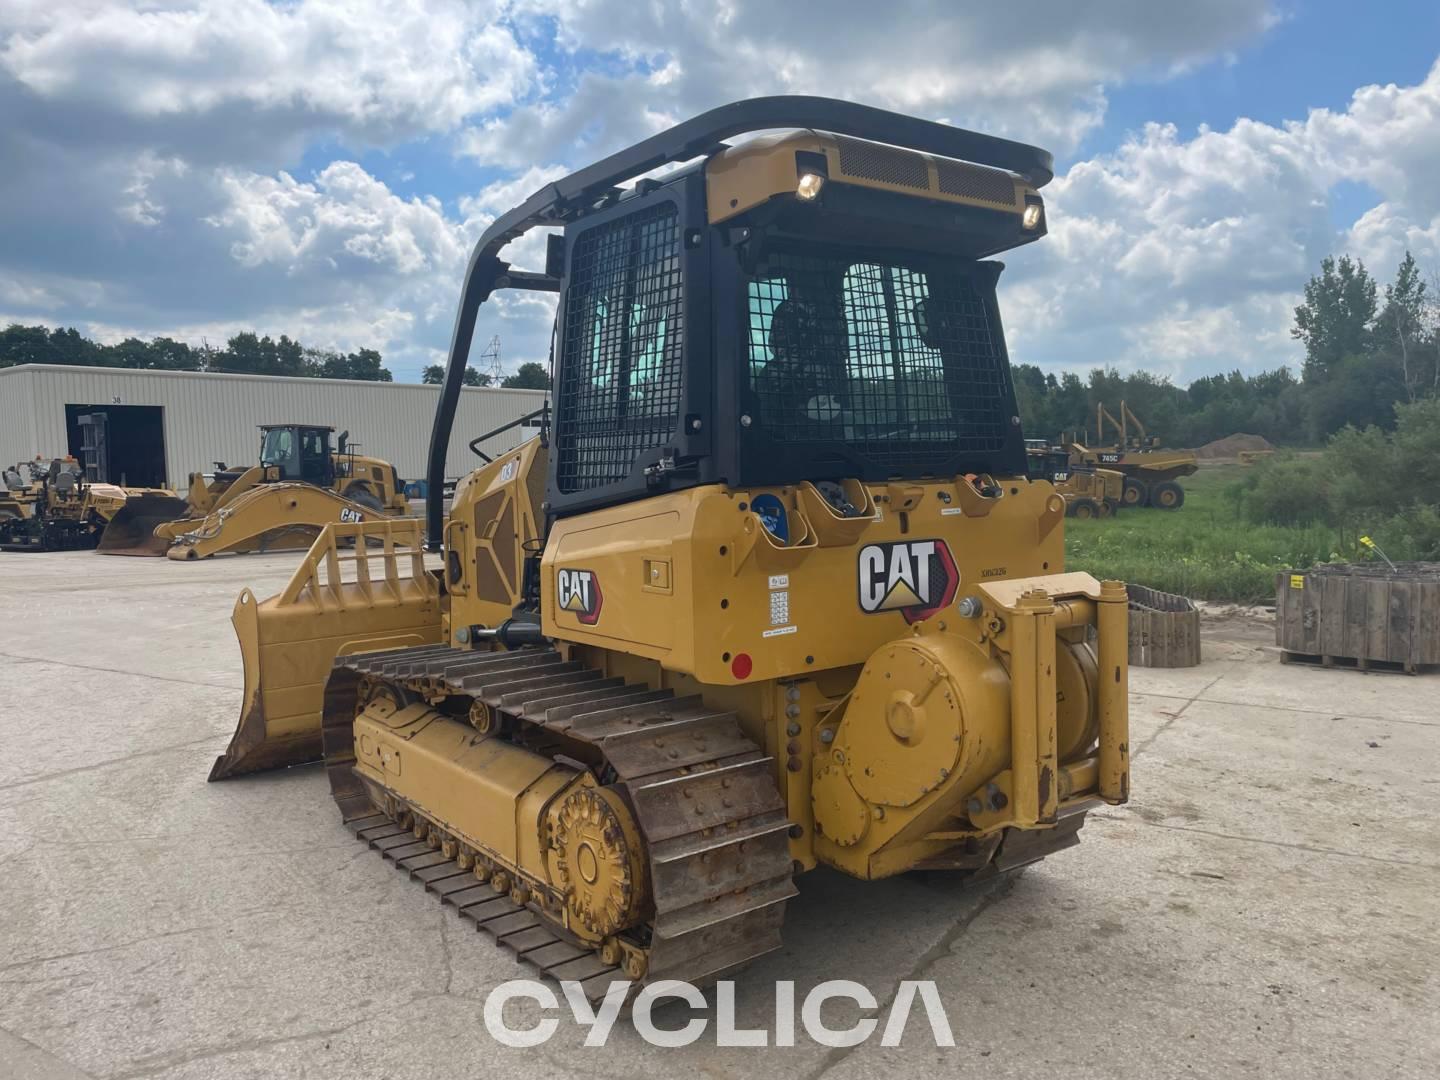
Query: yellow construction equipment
[(1088, 491), (1151, 474), (280, 504), (1250, 457), (1093, 492), (50, 506), (636, 696)]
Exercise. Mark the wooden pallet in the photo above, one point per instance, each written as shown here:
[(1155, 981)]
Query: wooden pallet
[(1355, 663)]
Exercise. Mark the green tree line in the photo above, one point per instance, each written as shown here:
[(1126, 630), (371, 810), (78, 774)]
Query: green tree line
[(529, 376), (245, 353), (1366, 351)]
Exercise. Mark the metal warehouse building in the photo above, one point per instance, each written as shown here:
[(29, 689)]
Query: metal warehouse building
[(163, 425)]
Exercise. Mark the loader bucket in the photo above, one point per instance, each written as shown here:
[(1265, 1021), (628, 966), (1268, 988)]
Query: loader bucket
[(132, 530), (376, 594)]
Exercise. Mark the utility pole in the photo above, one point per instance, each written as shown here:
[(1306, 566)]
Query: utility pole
[(489, 361)]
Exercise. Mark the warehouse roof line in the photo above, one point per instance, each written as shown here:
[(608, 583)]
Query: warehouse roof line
[(309, 380)]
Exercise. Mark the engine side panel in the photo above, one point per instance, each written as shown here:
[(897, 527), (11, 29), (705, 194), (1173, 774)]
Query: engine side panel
[(695, 579)]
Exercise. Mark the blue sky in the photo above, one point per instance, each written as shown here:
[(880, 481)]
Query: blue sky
[(1299, 65), (321, 167), (1315, 56)]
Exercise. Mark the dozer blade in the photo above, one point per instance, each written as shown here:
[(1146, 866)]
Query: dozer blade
[(132, 530), (373, 595), (268, 517)]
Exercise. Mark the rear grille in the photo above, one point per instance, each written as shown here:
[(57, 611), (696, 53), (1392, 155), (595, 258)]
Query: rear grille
[(869, 161), (976, 182), (620, 366)]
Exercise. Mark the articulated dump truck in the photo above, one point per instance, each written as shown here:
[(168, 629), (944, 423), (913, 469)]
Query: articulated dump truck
[(772, 591), (1150, 474)]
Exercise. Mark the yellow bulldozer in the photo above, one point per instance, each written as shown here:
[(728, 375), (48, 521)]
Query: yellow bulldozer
[(281, 504), (772, 591), (1151, 473), (50, 506)]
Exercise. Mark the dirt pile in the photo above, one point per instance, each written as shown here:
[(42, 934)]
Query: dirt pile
[(1231, 445)]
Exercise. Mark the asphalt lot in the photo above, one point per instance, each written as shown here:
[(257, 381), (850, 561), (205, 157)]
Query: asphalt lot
[(1268, 905)]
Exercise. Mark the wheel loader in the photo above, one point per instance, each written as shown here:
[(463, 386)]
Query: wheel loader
[(299, 485), (52, 507), (1088, 491), (1151, 474), (772, 591)]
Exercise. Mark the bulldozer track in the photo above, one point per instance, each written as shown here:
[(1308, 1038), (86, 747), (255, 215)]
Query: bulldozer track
[(703, 795)]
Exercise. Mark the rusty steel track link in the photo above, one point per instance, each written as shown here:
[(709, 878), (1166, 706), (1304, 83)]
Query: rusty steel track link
[(703, 794)]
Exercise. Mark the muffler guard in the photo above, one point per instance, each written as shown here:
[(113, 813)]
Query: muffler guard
[(375, 595)]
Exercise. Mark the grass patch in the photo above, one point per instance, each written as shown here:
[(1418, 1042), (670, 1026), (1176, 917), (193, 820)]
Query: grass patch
[(1204, 550)]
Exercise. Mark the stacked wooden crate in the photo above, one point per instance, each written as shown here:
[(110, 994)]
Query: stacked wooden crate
[(1367, 616)]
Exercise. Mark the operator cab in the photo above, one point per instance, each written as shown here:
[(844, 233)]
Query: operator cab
[(817, 303), (300, 451), (805, 305), (1047, 463)]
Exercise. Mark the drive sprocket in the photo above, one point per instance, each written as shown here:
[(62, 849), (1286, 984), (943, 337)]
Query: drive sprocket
[(596, 860)]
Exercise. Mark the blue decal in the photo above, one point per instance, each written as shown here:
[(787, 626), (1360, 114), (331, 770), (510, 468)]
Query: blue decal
[(771, 512)]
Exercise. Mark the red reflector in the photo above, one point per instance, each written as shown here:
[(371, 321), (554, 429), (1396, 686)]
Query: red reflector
[(741, 666)]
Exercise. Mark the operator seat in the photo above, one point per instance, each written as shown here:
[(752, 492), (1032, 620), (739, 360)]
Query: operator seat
[(802, 390)]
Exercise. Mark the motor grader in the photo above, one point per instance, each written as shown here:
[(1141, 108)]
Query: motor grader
[(280, 504), (772, 591), (50, 506)]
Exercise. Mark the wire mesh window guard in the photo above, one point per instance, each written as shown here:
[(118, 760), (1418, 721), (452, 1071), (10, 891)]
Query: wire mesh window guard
[(901, 365), (620, 372)]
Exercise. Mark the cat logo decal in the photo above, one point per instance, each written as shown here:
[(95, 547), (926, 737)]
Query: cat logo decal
[(579, 594), (915, 577)]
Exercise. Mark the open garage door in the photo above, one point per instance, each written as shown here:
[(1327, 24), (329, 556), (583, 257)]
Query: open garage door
[(133, 442)]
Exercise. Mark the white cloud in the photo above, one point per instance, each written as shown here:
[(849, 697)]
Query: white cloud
[(1189, 255), (156, 154), (137, 206), (345, 220), (27, 294), (496, 198), (1384, 233), (183, 73), (1039, 74)]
